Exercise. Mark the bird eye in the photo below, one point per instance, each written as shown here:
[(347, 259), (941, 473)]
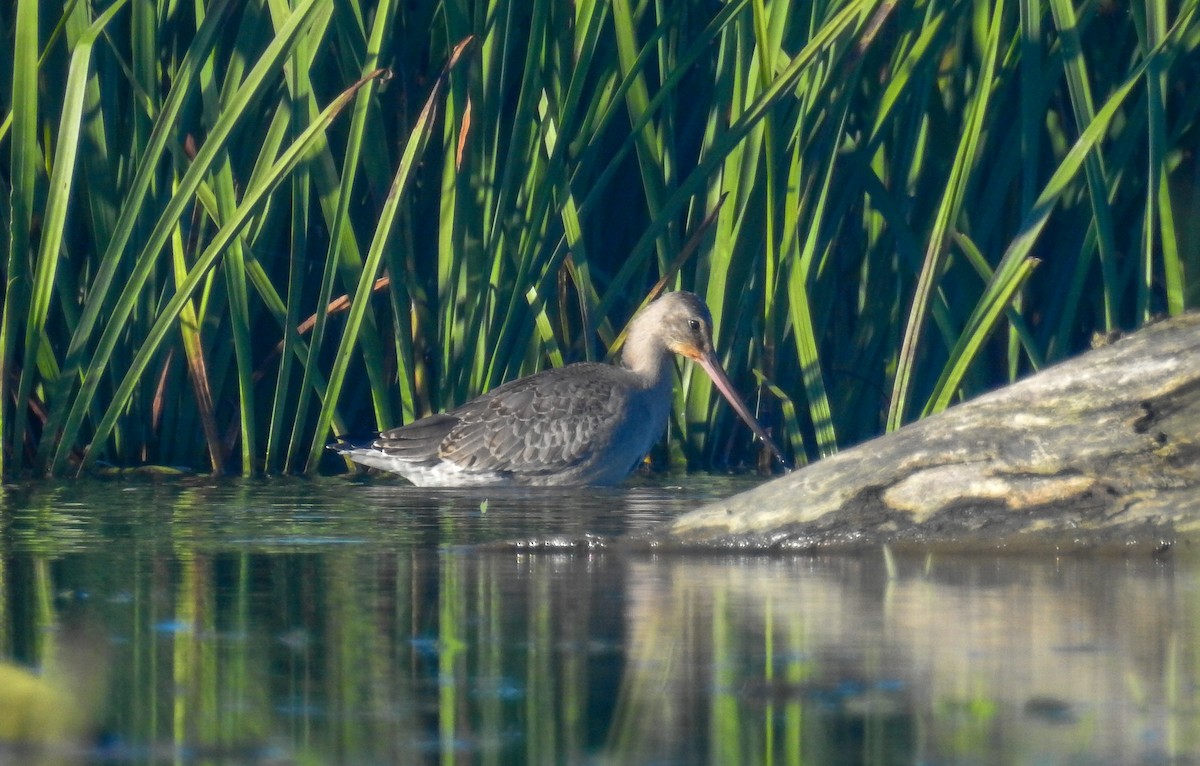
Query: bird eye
[(694, 324)]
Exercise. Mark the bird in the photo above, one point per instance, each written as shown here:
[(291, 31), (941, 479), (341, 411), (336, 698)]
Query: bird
[(584, 424)]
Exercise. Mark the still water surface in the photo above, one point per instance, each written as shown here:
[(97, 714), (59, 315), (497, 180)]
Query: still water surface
[(350, 621)]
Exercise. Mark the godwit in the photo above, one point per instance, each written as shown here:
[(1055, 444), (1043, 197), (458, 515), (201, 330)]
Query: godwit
[(583, 424)]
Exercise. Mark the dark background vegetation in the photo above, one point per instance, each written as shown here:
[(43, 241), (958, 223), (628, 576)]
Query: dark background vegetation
[(889, 206)]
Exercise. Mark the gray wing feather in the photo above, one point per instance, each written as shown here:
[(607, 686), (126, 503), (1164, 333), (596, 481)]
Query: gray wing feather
[(540, 424), (418, 441)]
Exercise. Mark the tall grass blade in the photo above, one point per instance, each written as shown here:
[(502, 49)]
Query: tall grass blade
[(413, 150), (817, 45), (250, 203), (297, 244), (1080, 90), (769, 156), (197, 365), (38, 356), (983, 321), (342, 256), (651, 158), (63, 434), (807, 350), (25, 154), (349, 261), (1015, 265), (249, 91), (947, 215), (1159, 222)]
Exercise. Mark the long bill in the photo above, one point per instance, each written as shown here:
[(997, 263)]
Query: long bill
[(708, 362)]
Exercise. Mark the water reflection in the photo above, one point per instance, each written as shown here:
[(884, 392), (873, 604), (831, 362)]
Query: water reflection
[(349, 622), (952, 660)]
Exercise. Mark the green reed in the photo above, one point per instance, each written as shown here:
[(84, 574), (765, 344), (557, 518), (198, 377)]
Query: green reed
[(238, 229)]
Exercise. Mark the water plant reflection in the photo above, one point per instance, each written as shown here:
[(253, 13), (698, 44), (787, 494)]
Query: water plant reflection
[(339, 622)]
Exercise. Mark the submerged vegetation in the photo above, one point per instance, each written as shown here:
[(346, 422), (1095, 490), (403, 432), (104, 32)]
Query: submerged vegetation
[(237, 228)]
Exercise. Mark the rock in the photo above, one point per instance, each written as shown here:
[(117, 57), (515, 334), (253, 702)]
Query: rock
[(1098, 452)]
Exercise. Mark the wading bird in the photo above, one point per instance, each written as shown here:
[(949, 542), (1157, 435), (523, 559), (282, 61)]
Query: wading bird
[(583, 424)]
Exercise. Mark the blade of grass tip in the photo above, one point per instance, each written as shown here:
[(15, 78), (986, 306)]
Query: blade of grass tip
[(413, 150), (114, 254), (24, 166), (946, 215), (55, 214), (167, 317), (252, 88), (545, 329)]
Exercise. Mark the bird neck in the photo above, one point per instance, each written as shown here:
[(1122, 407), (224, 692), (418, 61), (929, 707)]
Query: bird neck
[(645, 354)]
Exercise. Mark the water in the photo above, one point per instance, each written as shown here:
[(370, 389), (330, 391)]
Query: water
[(366, 622)]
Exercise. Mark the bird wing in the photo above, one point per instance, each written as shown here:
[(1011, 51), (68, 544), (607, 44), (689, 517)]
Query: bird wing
[(417, 442), (541, 424)]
